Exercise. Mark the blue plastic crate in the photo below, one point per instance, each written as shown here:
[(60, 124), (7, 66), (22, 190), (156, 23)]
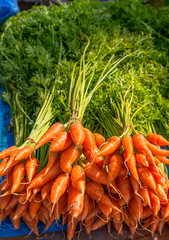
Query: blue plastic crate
[(8, 8), (7, 140)]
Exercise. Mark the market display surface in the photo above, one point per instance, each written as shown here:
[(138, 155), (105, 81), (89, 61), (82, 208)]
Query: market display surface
[(87, 86)]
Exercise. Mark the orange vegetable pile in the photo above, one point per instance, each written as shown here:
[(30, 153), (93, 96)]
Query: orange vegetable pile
[(88, 181)]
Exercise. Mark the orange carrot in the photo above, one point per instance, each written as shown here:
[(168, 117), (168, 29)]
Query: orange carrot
[(16, 223), (161, 193), (91, 155), (155, 203), (95, 173), (31, 167), (166, 211), (64, 216), (45, 212), (2, 165), (59, 207), (106, 210), (78, 178), (163, 159), (59, 187), (132, 225), (12, 203), (124, 186), (4, 201), (126, 216), (94, 190), (31, 223), (61, 142), (108, 202), (110, 147), (77, 133), (75, 202), (87, 205), (21, 208), (118, 227), (7, 183), (156, 150), (161, 225), (127, 143), (144, 192), (140, 144), (7, 152), (10, 160), (50, 134), (50, 221), (35, 205), (116, 163), (88, 224), (71, 227), (53, 157), (68, 157), (41, 217), (158, 178), (99, 139), (141, 159), (89, 141), (18, 173), (134, 184), (40, 180), (124, 171), (36, 190), (159, 170), (147, 212), (21, 154), (131, 163), (146, 177), (101, 221), (3, 215), (154, 224), (46, 189), (115, 215), (157, 139), (48, 205)]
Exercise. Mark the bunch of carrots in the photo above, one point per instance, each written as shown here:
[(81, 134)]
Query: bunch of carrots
[(87, 180)]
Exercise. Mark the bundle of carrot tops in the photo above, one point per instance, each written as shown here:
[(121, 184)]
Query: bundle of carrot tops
[(87, 180)]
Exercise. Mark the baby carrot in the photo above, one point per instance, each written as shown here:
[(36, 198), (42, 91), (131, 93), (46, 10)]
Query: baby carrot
[(59, 187), (68, 157), (116, 163), (157, 139), (78, 178), (77, 133), (99, 139), (110, 147), (89, 141), (7, 152), (18, 173), (75, 202), (31, 167), (50, 134), (35, 205), (39, 180), (96, 174), (61, 142)]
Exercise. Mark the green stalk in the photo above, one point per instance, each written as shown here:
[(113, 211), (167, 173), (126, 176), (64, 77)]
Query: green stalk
[(80, 89)]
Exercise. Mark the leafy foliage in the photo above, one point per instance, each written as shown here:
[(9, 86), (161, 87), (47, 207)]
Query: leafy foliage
[(41, 45)]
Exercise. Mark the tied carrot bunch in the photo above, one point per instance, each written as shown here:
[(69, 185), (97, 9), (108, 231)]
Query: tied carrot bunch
[(90, 181), (71, 179)]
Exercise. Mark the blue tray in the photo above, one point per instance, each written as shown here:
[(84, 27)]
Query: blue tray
[(8, 8), (7, 140)]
